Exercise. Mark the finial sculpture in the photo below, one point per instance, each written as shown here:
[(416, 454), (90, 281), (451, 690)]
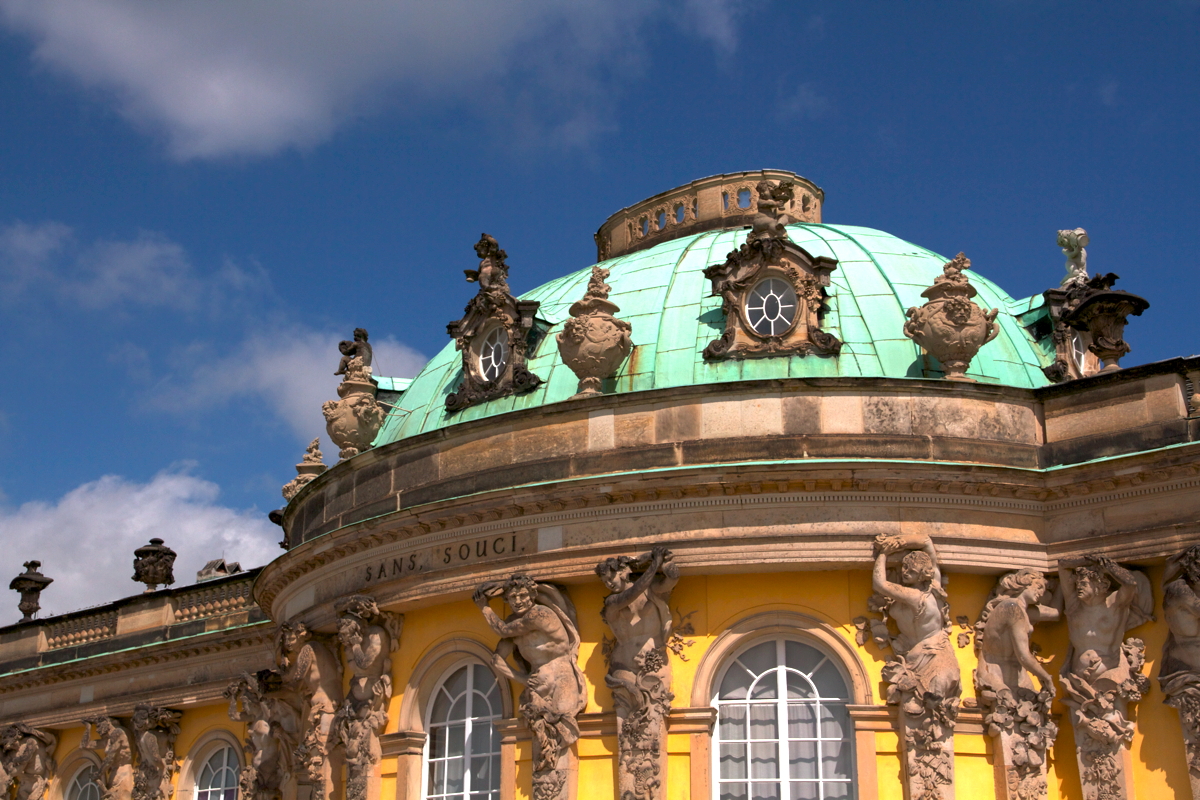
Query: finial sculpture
[(30, 584), (770, 218), (1179, 675), (1073, 244), (353, 421), (639, 669), (311, 465), (543, 637), (153, 563), (1103, 671), (594, 343), (1015, 713), (923, 675), (951, 327)]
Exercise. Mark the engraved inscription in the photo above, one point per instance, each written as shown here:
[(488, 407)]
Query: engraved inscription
[(446, 556)]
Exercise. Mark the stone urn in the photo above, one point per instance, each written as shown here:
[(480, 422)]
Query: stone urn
[(594, 343), (30, 584), (950, 326), (153, 565), (353, 421)]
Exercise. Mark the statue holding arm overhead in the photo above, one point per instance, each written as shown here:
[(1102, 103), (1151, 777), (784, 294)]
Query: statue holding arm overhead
[(116, 770), (26, 760), (1179, 674)]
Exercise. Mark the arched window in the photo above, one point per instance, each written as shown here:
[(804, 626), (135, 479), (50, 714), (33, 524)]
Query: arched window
[(493, 353), (219, 776), (462, 756), (783, 730), (85, 785)]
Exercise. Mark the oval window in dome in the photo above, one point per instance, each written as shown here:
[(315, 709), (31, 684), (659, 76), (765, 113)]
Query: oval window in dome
[(493, 354), (771, 307)]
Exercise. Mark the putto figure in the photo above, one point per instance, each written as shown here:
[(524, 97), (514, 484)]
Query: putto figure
[(1074, 244), (771, 217), (310, 670), (1103, 672), (116, 770), (368, 637), (26, 760), (1015, 712), (639, 669), (1179, 675), (542, 636), (923, 676), (358, 348)]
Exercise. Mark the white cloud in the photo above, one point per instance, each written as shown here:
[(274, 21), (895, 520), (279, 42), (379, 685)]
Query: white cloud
[(253, 78), (804, 101), (86, 539), (289, 369)]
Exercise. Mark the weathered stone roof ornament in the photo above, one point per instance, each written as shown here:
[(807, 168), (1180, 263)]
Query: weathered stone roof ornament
[(1073, 244), (1101, 311), (311, 465), (772, 290), (353, 421), (494, 335), (951, 327), (594, 343), (30, 584), (152, 565)]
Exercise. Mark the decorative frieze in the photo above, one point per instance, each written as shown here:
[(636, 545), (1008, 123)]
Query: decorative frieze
[(950, 326), (593, 342)]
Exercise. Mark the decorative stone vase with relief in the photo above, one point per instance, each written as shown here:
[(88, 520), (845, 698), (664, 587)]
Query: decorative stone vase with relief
[(353, 421), (594, 343), (30, 584), (772, 290), (494, 334), (951, 327), (153, 565)]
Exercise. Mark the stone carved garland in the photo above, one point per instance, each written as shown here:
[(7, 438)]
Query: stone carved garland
[(155, 730), (368, 636), (1015, 712), (494, 307), (594, 343), (116, 769), (1102, 675), (1179, 675), (273, 728), (923, 675), (950, 326), (311, 465), (639, 669), (769, 253), (542, 636), (312, 672), (26, 761)]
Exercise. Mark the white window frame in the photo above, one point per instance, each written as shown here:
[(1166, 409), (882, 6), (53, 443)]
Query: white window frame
[(498, 714), (70, 785), (232, 761)]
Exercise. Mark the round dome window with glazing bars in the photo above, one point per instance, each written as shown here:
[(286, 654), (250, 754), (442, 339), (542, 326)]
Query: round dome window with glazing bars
[(493, 354), (771, 307)]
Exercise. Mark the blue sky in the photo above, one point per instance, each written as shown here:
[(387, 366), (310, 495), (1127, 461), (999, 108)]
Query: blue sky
[(197, 200)]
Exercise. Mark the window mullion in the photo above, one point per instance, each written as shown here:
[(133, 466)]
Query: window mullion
[(467, 732), (782, 734)]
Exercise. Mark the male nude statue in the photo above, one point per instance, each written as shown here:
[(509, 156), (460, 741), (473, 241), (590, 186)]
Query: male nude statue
[(1097, 618), (637, 611)]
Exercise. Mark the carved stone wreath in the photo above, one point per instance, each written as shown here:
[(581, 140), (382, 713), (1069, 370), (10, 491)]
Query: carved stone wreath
[(493, 309), (748, 267)]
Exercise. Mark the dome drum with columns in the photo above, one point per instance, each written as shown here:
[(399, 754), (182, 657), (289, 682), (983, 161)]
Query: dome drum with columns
[(757, 506)]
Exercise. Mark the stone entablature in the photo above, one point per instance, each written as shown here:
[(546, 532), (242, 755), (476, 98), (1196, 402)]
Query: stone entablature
[(719, 201)]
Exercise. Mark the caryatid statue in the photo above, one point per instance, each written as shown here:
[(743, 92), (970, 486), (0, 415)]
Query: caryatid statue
[(368, 637), (116, 770), (1016, 712), (924, 675), (1103, 672), (26, 759), (273, 726), (1179, 674), (542, 636), (155, 730), (312, 671), (639, 670)]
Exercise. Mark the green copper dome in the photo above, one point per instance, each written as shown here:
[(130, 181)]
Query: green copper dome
[(662, 292)]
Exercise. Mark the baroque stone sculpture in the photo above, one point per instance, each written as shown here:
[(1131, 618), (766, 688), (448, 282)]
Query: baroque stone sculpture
[(368, 637), (273, 725), (1074, 244), (153, 563), (155, 730), (772, 290), (594, 343), (1016, 713), (542, 635), (923, 675), (353, 421), (1179, 675), (116, 770), (1103, 672), (26, 761), (494, 335), (311, 465), (1092, 305), (950, 326), (639, 669), (311, 671), (30, 584)]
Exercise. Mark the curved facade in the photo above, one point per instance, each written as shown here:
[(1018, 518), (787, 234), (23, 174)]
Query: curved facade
[(804, 573)]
